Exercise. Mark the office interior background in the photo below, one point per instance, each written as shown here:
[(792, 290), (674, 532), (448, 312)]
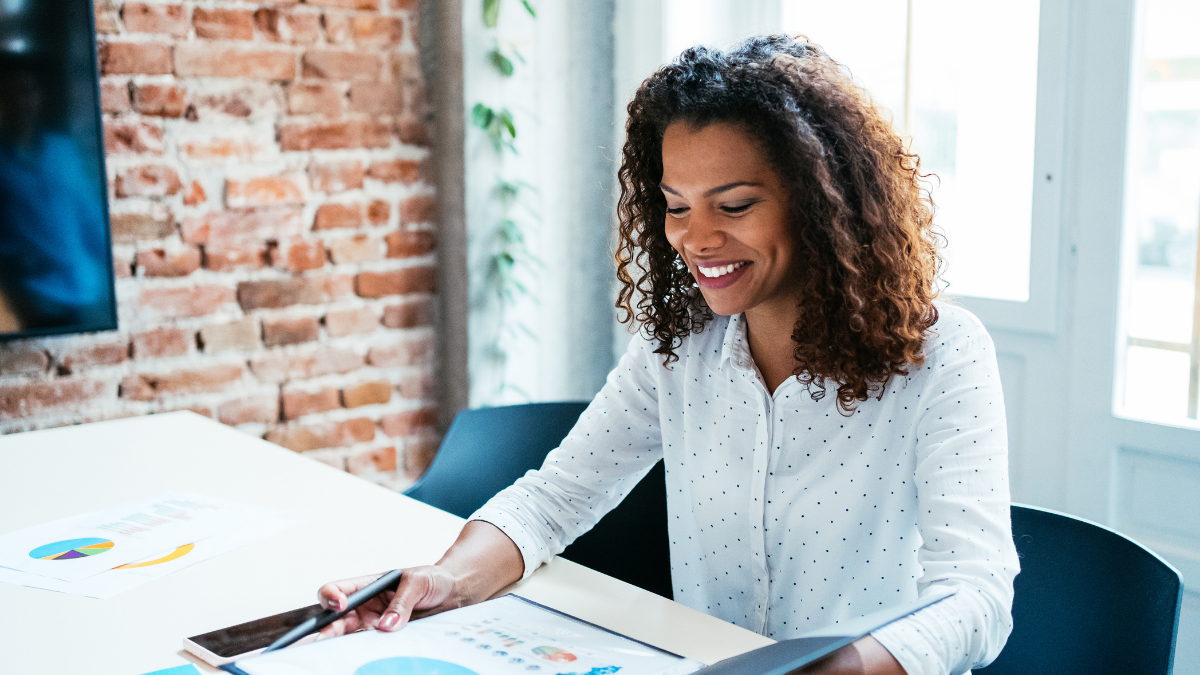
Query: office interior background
[(338, 222)]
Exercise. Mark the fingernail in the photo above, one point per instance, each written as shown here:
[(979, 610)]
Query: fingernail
[(389, 620)]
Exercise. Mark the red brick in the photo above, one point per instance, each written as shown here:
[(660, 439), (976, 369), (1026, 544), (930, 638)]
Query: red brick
[(374, 29), (161, 263), (148, 386), (376, 98), (101, 352), (135, 58), (23, 361), (404, 171), (133, 137), (406, 353), (149, 180), (191, 301), (298, 403), (242, 227), (418, 387), (114, 97), (23, 401), (408, 243), (274, 294), (198, 408), (367, 393), (162, 342), (418, 455), (415, 99), (340, 65), (370, 461), (356, 430), (276, 368), (347, 4), (396, 282), (408, 422), (260, 100), (409, 314), (418, 209), (220, 258), (339, 285), (405, 4), (219, 337), (334, 135), (258, 409), (379, 212), (223, 24), (299, 254), (280, 25), (129, 228), (315, 98), (107, 19), (337, 27), (343, 322), (356, 249), (335, 176), (144, 18), (290, 331), (160, 100), (122, 267), (206, 59), (266, 191), (219, 149), (412, 130), (330, 216), (300, 438), (195, 194)]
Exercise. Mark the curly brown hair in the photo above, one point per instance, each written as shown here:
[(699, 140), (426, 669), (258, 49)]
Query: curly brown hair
[(860, 218)]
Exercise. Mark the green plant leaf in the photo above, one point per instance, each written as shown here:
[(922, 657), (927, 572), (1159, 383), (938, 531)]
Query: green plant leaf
[(482, 116), (491, 13), (529, 8), (507, 120), (501, 62)]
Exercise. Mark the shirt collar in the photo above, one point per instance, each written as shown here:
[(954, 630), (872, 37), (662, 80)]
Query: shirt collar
[(734, 347)]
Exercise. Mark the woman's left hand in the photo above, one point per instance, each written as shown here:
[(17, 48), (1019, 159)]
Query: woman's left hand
[(864, 656)]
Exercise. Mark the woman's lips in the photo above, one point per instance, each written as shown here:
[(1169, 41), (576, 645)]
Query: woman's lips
[(722, 281)]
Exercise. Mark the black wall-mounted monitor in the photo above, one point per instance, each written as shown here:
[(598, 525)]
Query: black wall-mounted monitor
[(56, 269)]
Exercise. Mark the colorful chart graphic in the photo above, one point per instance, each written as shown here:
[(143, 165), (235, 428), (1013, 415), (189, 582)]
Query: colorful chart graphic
[(173, 555), (554, 654), (71, 548), (412, 665)]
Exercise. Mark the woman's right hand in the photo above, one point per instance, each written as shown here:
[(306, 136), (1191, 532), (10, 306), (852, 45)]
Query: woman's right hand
[(482, 561), (422, 591)]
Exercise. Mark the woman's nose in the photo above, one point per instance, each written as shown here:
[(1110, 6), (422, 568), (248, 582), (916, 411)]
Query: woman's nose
[(703, 233)]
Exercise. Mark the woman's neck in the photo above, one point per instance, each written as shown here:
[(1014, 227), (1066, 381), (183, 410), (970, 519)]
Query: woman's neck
[(769, 335)]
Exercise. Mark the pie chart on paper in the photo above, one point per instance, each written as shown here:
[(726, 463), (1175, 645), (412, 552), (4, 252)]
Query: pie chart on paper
[(71, 548), (412, 665)]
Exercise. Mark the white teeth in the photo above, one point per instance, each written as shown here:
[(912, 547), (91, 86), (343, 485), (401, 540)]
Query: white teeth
[(713, 272)]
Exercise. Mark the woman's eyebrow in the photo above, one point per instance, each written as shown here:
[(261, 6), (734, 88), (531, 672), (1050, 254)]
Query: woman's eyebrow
[(708, 193)]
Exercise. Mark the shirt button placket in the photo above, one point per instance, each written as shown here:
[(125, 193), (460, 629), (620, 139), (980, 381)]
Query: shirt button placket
[(758, 495)]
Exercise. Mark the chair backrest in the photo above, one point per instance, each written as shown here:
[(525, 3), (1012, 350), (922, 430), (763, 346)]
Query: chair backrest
[(1088, 600), (486, 449)]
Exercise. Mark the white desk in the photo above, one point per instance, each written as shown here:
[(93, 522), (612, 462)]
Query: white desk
[(350, 527)]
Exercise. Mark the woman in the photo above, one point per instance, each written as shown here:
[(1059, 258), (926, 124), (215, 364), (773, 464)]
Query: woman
[(834, 440)]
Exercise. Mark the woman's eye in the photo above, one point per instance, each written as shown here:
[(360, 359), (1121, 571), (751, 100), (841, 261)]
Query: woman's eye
[(740, 208), (677, 211)]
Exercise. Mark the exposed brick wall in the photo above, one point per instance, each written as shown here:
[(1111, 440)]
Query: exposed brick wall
[(273, 230)]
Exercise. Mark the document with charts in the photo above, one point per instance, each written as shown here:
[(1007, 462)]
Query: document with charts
[(506, 636)]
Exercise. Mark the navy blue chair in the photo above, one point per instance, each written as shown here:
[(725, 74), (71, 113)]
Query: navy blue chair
[(486, 449), (1088, 600)]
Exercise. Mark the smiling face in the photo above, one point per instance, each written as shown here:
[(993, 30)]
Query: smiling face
[(727, 216)]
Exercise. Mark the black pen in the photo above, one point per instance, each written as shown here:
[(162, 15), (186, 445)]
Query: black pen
[(387, 582)]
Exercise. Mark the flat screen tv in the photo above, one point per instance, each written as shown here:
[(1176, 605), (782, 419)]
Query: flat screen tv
[(56, 269)]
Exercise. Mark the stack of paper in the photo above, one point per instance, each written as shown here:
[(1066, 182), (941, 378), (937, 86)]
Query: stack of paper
[(106, 552)]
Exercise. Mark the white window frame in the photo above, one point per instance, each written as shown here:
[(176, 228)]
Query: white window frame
[(639, 27)]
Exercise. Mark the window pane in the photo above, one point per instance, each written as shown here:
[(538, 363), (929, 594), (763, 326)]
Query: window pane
[(972, 96), (1162, 212)]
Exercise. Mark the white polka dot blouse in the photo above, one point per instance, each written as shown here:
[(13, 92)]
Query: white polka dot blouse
[(786, 516)]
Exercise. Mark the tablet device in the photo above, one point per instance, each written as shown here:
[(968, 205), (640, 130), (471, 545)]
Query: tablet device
[(788, 655)]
